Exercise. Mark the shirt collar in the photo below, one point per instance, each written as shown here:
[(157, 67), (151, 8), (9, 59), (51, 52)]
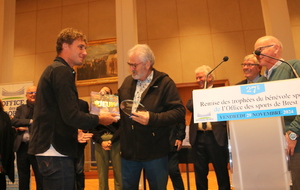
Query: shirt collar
[(269, 72), (60, 59), (211, 86), (255, 79), (148, 79)]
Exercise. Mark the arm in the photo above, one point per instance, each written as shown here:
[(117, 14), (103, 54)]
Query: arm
[(294, 126), (115, 129), (83, 137), (64, 89), (189, 105), (106, 145), (100, 130), (19, 119), (180, 128), (97, 134), (180, 135), (165, 109)]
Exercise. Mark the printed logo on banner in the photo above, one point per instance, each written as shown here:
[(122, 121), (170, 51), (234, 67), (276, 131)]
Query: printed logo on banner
[(13, 95), (19, 92), (253, 89), (204, 117), (13, 99)]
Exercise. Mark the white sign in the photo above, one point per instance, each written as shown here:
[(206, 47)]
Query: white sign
[(13, 95), (251, 101)]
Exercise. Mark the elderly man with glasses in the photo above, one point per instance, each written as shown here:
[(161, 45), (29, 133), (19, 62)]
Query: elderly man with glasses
[(251, 69), (269, 53), (22, 121), (145, 134)]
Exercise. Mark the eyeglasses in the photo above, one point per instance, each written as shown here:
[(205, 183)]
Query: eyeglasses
[(134, 65), (249, 64), (30, 92), (263, 47)]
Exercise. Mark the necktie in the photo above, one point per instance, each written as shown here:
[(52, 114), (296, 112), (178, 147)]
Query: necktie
[(204, 126)]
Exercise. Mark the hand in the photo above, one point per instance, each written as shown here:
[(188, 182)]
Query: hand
[(178, 143), (83, 137), (108, 118), (291, 144), (106, 145), (141, 117), (22, 128)]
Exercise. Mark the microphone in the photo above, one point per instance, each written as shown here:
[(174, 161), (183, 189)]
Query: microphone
[(225, 58), (258, 53)]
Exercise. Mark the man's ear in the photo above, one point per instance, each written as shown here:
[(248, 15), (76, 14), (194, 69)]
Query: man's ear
[(276, 46), (65, 46), (209, 78), (148, 65)]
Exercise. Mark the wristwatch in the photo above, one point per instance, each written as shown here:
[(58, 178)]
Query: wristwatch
[(293, 136)]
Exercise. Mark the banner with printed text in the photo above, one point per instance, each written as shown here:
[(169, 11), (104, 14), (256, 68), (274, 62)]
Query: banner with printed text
[(251, 101), (13, 95)]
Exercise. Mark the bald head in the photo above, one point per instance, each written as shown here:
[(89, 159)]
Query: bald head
[(30, 93), (271, 46)]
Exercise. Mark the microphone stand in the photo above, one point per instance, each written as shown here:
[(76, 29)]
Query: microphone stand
[(205, 83), (224, 60), (257, 52)]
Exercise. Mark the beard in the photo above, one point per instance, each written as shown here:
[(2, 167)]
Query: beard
[(135, 75)]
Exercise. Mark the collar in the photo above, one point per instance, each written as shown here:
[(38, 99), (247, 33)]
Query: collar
[(60, 59), (148, 79), (210, 87), (255, 79), (269, 72), (30, 104)]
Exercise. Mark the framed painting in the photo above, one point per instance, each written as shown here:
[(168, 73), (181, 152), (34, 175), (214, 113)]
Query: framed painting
[(100, 64)]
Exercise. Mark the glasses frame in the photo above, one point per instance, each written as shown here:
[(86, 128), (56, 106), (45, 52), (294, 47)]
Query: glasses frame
[(30, 92), (134, 65), (263, 47), (249, 64)]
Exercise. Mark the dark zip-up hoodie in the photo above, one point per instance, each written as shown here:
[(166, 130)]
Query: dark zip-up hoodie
[(161, 98)]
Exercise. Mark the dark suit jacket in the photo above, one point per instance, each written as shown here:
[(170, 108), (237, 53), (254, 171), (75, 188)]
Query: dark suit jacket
[(21, 119), (242, 82), (219, 128)]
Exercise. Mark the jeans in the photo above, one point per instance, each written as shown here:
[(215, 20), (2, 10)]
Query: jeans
[(156, 172), (58, 172)]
